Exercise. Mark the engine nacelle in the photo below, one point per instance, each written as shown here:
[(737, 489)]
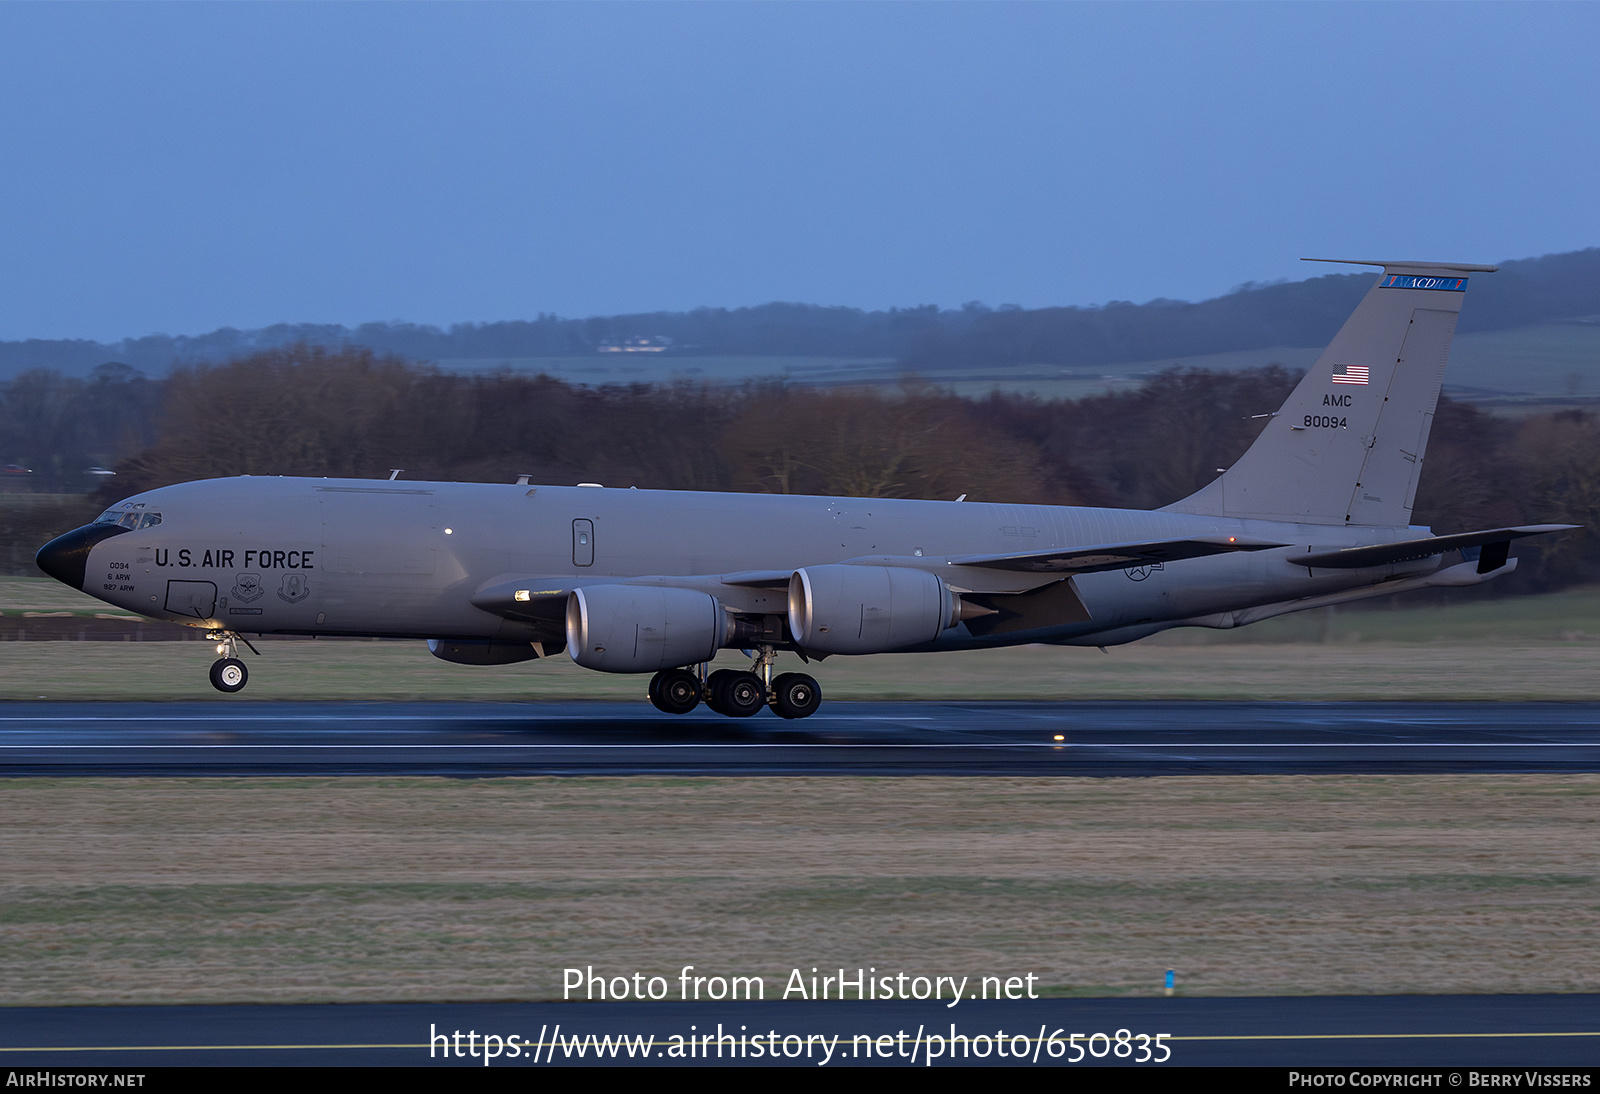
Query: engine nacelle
[(642, 628), (868, 609), (484, 651)]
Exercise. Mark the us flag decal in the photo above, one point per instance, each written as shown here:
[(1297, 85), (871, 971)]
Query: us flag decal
[(1353, 374)]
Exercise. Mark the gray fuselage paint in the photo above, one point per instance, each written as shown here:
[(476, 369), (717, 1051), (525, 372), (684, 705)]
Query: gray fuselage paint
[(286, 559)]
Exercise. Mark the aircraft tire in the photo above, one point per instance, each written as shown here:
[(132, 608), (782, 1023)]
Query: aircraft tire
[(229, 674), (742, 695), (714, 686), (796, 695), (676, 691)]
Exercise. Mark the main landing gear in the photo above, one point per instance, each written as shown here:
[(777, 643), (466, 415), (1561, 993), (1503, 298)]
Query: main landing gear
[(227, 671), (675, 691), (795, 695), (735, 693)]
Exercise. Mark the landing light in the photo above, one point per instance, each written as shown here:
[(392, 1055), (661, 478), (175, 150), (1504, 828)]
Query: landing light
[(1060, 737), (449, 531), (221, 648), (522, 594)]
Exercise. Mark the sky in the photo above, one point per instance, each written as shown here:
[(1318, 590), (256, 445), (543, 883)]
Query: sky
[(175, 168)]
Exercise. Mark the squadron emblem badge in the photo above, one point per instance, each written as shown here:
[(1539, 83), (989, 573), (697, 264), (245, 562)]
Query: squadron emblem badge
[(294, 589)]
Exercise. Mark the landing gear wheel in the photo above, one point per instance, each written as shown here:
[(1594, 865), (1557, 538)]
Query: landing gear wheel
[(714, 685), (795, 695), (229, 674), (742, 695), (675, 691)]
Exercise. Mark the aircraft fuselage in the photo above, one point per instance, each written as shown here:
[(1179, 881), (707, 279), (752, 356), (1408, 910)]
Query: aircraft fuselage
[(405, 559)]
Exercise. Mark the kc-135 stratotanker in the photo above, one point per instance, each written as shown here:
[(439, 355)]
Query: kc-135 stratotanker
[(1316, 512)]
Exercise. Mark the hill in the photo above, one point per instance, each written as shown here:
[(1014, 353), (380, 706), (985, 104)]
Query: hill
[(927, 340)]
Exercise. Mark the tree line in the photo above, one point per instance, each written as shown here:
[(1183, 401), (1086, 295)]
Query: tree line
[(308, 410), (1300, 313)]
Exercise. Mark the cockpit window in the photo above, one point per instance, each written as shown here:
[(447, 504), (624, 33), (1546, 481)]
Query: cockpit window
[(129, 519)]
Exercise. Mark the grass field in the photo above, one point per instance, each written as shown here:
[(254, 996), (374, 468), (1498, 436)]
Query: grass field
[(1566, 671), (273, 890)]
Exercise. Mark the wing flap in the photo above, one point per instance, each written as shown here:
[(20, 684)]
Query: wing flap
[(1115, 556), (1410, 550)]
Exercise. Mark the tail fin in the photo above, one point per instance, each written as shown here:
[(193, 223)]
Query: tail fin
[(1347, 447)]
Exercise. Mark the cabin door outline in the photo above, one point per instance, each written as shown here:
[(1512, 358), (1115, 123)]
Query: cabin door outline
[(583, 542)]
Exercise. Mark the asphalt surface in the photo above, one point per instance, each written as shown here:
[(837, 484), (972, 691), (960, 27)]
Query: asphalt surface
[(1025, 738), (1305, 1031)]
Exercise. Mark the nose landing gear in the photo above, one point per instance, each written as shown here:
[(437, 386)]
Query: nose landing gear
[(228, 673)]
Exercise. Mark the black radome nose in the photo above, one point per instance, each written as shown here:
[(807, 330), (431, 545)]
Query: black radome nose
[(66, 558)]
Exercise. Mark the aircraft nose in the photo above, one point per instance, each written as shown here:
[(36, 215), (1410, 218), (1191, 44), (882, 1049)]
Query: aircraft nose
[(66, 558)]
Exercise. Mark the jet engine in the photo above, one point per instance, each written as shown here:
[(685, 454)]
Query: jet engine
[(868, 609), (642, 628), (483, 651)]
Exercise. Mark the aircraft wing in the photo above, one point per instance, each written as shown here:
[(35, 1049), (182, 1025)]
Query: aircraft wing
[(1114, 556), (1384, 554), (759, 579)]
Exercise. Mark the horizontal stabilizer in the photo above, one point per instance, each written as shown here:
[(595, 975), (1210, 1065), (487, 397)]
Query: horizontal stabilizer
[(1402, 264), (1114, 556), (1385, 554)]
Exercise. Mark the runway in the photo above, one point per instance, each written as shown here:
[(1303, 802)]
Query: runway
[(1301, 1031), (1025, 738)]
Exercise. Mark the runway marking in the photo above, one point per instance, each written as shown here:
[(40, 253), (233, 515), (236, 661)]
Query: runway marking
[(193, 1048), (542, 718), (1174, 746), (1371, 1036)]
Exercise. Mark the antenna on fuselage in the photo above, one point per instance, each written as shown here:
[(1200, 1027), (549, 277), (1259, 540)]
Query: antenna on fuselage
[(394, 473)]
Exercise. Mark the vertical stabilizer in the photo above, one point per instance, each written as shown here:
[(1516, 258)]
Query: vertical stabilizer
[(1347, 447)]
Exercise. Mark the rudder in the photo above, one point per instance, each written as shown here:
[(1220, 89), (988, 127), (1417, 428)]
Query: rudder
[(1347, 446)]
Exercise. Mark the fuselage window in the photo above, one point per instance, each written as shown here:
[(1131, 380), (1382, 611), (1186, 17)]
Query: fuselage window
[(583, 542)]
